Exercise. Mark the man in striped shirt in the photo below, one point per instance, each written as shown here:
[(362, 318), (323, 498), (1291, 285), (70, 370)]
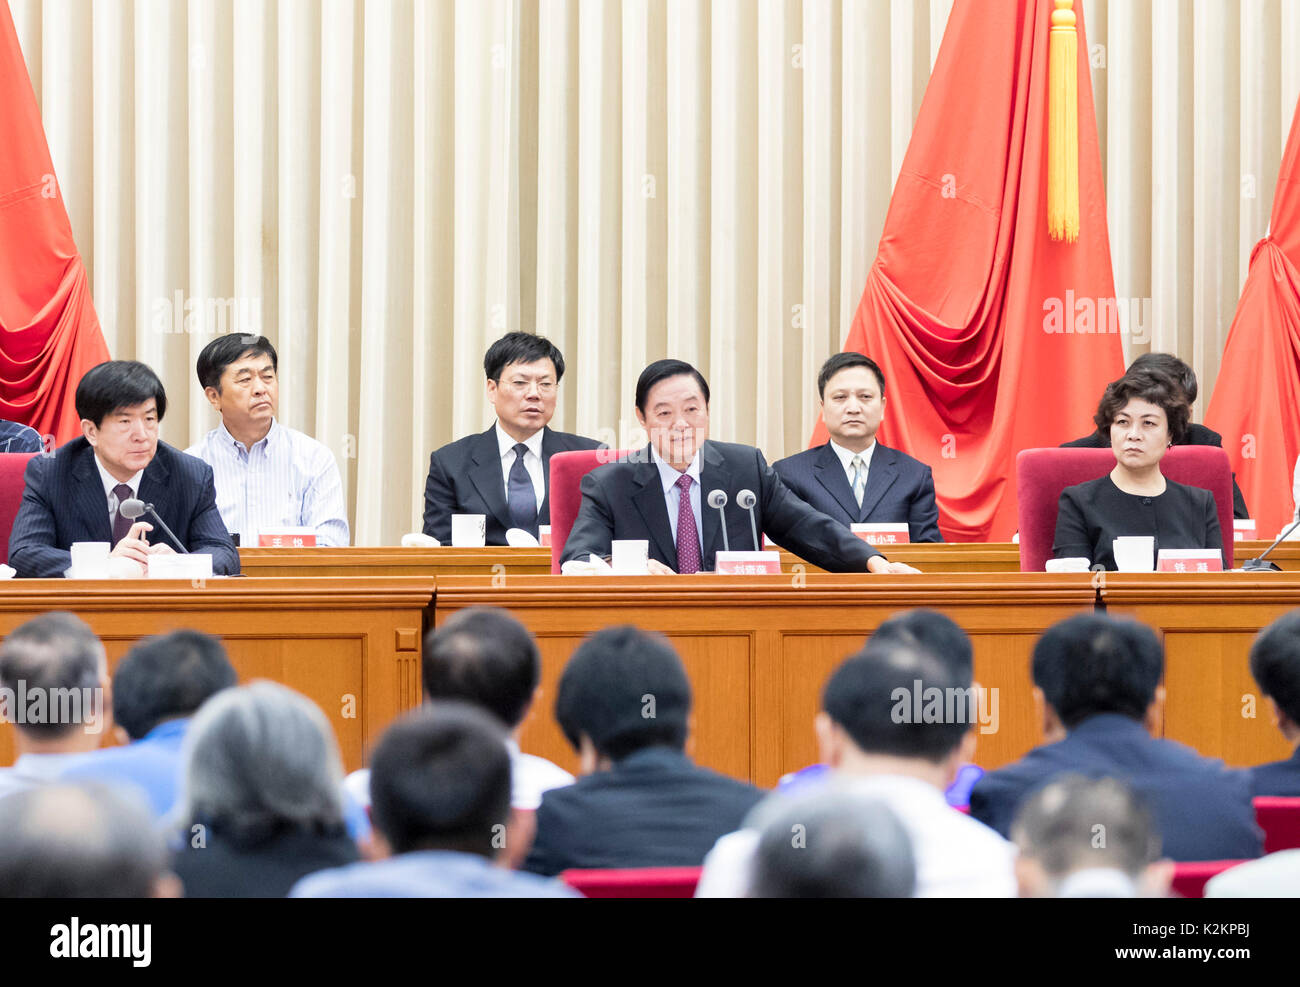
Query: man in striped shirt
[(267, 475)]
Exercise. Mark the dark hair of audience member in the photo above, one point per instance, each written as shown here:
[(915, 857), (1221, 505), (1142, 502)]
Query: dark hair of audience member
[(228, 349), (55, 651), (1275, 664), (936, 633), (1092, 664), (485, 657), (521, 347), (116, 385), (661, 370), (166, 677)]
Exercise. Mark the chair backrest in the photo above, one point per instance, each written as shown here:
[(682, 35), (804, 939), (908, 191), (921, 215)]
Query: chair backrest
[(566, 473), (1190, 877), (12, 467), (1041, 475), (1279, 818), (639, 882)]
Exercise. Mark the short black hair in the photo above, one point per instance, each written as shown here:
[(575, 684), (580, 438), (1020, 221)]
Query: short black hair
[(1092, 663), (937, 633), (55, 654), (1155, 389), (626, 689), (883, 698), (1167, 365), (440, 780), (168, 676), (662, 370), (1275, 663), (228, 349), (842, 361), (521, 347), (117, 384), (485, 657)]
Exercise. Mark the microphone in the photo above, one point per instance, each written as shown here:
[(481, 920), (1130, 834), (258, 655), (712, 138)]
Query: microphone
[(133, 508), (747, 500), (718, 499), (1262, 564)]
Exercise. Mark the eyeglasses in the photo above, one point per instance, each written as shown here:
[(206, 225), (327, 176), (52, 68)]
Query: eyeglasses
[(521, 386)]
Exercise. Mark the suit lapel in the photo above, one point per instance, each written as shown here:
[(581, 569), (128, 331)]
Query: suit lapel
[(830, 474), (880, 476), (648, 497), (485, 473), (550, 446), (154, 489), (713, 476), (90, 499)]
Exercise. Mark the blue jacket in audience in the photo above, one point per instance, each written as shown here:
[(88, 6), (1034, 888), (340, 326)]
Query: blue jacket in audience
[(152, 764), (1202, 809), (1277, 778), (428, 874)]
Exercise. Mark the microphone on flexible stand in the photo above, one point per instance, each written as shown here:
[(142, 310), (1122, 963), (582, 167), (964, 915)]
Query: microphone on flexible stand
[(747, 500), (133, 508), (718, 499), (1261, 564)]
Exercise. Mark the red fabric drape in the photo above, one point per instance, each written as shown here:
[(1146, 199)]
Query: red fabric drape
[(49, 334), (964, 300), (1256, 402)]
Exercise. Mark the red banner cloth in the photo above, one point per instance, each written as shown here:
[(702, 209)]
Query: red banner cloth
[(49, 333), (1256, 402), (992, 338)]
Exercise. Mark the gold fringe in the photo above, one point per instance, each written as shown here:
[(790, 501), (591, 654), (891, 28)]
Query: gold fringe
[(1063, 125)]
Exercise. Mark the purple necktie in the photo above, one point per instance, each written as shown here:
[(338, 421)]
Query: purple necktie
[(121, 524), (688, 539)]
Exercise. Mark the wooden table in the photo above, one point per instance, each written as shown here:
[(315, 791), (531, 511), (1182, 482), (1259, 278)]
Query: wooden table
[(351, 645)]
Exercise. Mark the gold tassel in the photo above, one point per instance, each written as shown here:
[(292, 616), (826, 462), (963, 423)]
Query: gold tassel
[(1063, 125)]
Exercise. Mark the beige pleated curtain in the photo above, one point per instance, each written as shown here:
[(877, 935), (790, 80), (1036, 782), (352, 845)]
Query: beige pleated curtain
[(384, 187)]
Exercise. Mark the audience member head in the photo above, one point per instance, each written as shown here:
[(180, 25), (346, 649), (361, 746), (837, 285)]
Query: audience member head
[(1169, 366), (259, 759), (1092, 664), (1275, 664), (86, 840), (121, 404), (894, 707), (934, 632), (1088, 838), (485, 657), (167, 677), (440, 780), (832, 843), (1141, 415), (852, 391), (523, 381), (238, 374), (672, 405), (57, 663), (623, 690)]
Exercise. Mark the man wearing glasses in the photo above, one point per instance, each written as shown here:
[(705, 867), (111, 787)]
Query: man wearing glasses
[(504, 473)]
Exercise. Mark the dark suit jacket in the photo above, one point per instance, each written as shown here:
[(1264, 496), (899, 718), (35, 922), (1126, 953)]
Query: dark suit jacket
[(1203, 810), (465, 477), (1278, 778), (64, 502), (654, 808), (899, 488), (1197, 435), (229, 865), (625, 499)]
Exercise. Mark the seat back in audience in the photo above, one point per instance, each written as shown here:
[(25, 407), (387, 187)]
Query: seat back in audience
[(1190, 877), (640, 882), (12, 467), (1041, 475), (1279, 818), (567, 471)]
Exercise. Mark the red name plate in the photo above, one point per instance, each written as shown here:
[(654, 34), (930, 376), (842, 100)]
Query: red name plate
[(747, 563), (1243, 528), (286, 539), (544, 535), (892, 533), (1189, 560)]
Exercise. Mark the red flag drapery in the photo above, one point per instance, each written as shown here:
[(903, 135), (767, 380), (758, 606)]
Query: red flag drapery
[(992, 337), (1256, 402), (49, 334)]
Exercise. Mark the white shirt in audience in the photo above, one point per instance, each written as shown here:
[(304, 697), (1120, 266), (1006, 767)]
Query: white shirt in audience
[(1276, 875), (956, 857), (31, 770)]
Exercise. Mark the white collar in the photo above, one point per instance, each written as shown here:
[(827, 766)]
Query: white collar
[(223, 433), (846, 455), (110, 481), (669, 476), (1097, 882), (506, 444)]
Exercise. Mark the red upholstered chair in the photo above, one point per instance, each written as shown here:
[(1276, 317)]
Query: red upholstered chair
[(640, 882), (12, 466), (567, 471), (1190, 877), (1279, 818), (1041, 475)]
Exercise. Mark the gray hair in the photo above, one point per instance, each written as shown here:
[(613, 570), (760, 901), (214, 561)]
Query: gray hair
[(54, 654), (261, 756)]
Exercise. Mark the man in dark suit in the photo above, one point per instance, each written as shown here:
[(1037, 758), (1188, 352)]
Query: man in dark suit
[(1181, 377), (76, 494), (853, 478), (623, 703), (1097, 682), (641, 496), (1275, 664), (504, 473)]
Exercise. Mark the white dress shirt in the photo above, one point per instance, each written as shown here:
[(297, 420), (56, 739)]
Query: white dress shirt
[(31, 770), (532, 462), (110, 482), (287, 480), (673, 493), (956, 856), (846, 460)]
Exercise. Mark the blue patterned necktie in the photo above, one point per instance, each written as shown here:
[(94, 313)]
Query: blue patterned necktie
[(523, 498)]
